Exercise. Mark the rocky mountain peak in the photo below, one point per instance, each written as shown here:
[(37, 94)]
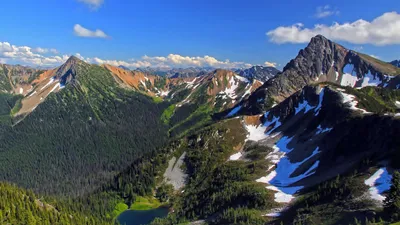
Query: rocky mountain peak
[(67, 72)]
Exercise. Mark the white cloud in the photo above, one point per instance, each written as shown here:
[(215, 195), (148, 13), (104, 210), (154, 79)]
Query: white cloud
[(53, 50), (383, 30), (35, 57), (271, 64), (41, 50), (45, 50), (83, 32), (93, 4), (27, 55), (173, 60), (325, 11)]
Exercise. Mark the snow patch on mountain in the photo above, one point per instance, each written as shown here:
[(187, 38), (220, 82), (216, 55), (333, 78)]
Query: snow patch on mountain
[(304, 105), (57, 85), (32, 94), (349, 77), (143, 83), (190, 83), (235, 156), (321, 130), (347, 98), (50, 82), (280, 179), (255, 132), (243, 79), (164, 93), (248, 90), (230, 92), (379, 182), (274, 120), (321, 98), (370, 80)]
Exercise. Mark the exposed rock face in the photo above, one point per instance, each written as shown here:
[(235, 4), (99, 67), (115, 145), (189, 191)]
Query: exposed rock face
[(67, 72), (174, 174), (260, 73), (322, 60)]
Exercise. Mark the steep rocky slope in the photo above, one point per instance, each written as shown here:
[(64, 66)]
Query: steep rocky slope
[(322, 60)]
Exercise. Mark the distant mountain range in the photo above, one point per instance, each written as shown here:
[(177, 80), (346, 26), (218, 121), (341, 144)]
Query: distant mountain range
[(261, 73)]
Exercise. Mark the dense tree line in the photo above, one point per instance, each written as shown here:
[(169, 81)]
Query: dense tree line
[(20, 207), (392, 201)]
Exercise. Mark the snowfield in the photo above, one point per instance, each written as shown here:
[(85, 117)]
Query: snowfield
[(304, 105), (280, 179), (379, 182), (349, 77), (230, 92), (370, 80)]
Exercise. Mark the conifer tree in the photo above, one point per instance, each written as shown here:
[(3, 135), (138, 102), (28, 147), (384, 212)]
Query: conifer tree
[(392, 201)]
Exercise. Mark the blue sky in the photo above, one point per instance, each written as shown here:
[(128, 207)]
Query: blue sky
[(179, 33)]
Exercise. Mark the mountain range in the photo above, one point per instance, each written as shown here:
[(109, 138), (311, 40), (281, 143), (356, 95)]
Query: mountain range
[(315, 143)]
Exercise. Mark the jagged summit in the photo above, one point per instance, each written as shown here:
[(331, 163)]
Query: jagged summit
[(67, 72), (73, 60)]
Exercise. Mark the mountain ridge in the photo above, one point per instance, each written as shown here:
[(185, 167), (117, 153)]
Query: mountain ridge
[(322, 60)]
